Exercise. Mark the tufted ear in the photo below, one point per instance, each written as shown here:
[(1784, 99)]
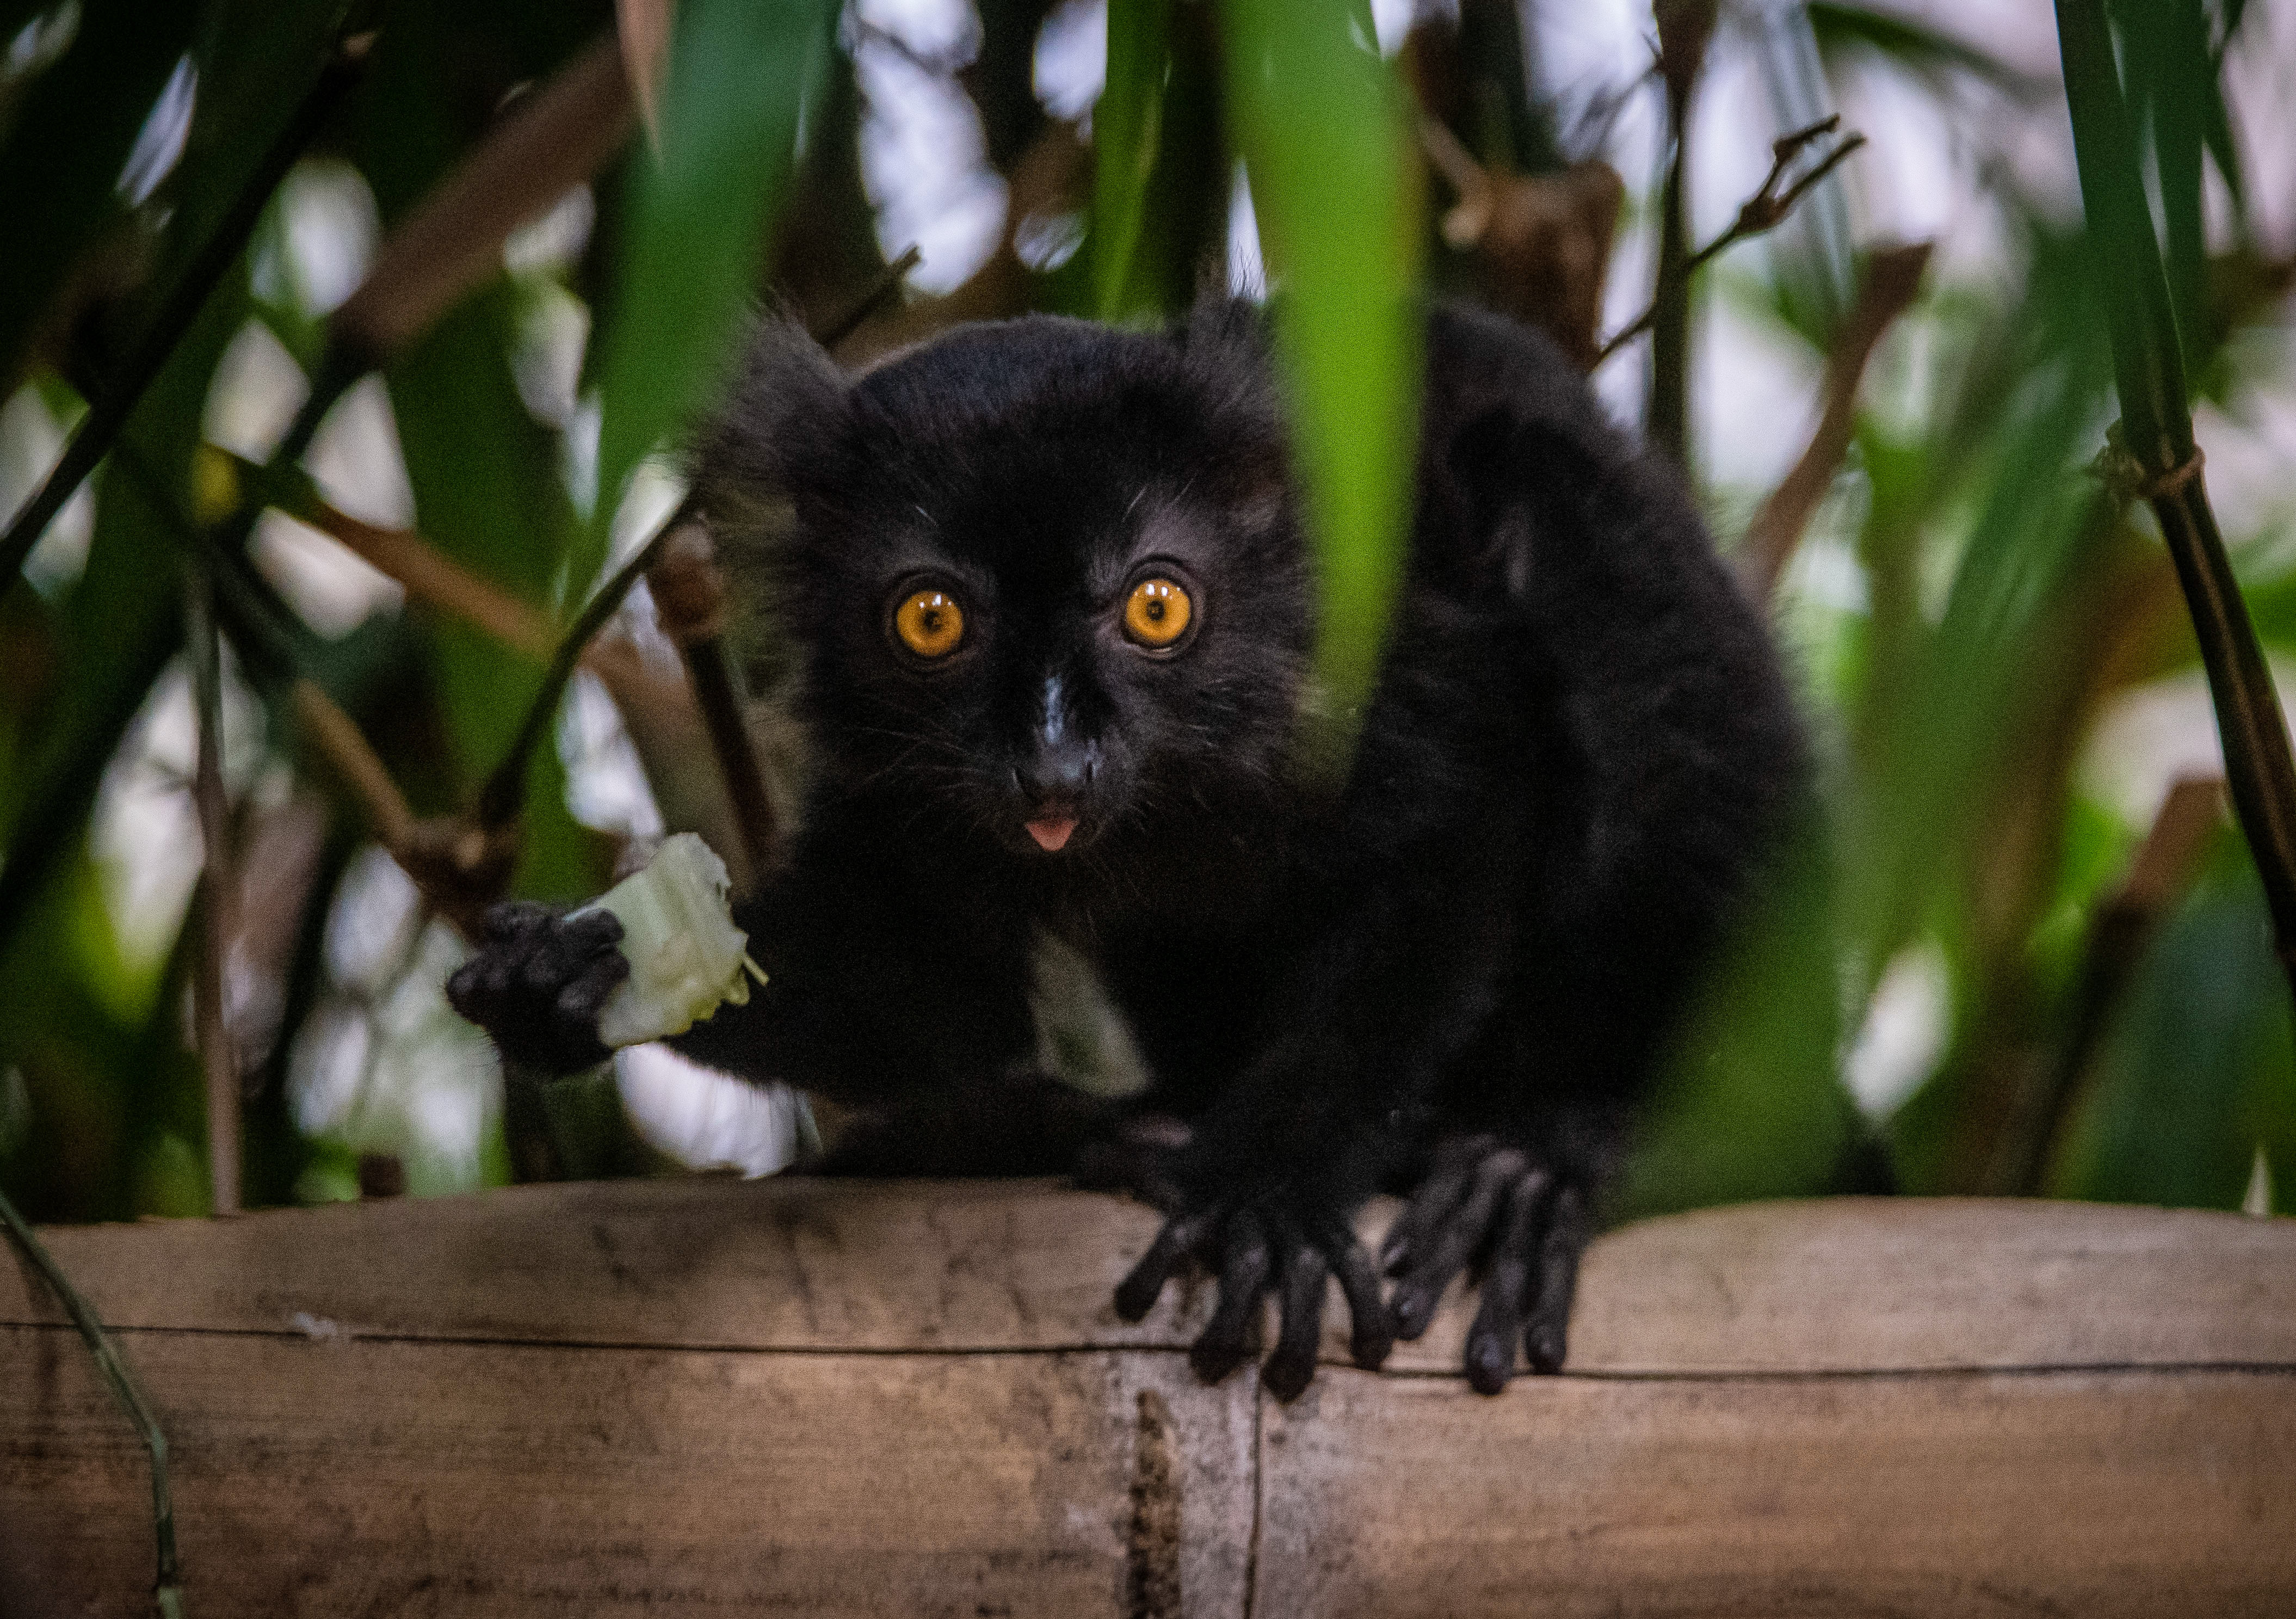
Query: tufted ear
[(1225, 344), (1221, 321), (788, 400)]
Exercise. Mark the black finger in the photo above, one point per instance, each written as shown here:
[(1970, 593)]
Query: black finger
[(492, 969), (1135, 1294), (1569, 1226), (1506, 1284), (1293, 1366), (1454, 1244), (1229, 1338), (466, 989), (580, 1001), (550, 960), (595, 930), (1439, 1196), (1370, 1337), (513, 919)]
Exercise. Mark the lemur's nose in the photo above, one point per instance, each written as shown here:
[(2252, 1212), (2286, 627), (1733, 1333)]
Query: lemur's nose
[(1059, 775), (1060, 764)]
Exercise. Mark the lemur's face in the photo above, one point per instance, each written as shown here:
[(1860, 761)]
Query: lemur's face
[(1053, 584)]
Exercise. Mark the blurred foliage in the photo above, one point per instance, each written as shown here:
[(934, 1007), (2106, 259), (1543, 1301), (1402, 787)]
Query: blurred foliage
[(2000, 601)]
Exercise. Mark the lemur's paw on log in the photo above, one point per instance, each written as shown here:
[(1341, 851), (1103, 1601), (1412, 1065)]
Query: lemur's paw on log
[(538, 982), (1526, 1222), (1270, 1244)]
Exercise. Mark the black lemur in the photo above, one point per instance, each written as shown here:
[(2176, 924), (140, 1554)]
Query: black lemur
[(1044, 588)]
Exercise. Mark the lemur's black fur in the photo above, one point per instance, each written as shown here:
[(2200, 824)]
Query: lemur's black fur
[(1454, 976)]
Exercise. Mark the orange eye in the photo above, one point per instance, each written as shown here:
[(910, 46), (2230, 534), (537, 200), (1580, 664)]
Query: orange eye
[(1158, 612), (929, 623)]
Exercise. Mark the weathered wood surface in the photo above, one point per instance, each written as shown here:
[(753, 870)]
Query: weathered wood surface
[(913, 1398)]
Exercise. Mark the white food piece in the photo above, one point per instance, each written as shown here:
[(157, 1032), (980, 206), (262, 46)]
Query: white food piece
[(686, 957)]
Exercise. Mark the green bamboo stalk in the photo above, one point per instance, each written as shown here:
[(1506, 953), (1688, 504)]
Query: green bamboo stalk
[(2154, 456), (167, 1586)]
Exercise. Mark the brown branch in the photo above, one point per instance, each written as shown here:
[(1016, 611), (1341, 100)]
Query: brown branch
[(1463, 226), (1759, 213), (689, 591), (338, 739), (461, 866), (1893, 279), (1684, 29), (552, 140), (1541, 241), (218, 888), (426, 574), (887, 284)]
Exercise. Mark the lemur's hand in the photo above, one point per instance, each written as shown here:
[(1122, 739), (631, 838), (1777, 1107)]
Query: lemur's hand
[(537, 981), (1525, 1220), (1255, 1247)]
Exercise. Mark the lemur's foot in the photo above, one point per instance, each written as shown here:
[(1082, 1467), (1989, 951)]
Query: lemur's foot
[(1525, 1221), (1255, 1247), (537, 981)]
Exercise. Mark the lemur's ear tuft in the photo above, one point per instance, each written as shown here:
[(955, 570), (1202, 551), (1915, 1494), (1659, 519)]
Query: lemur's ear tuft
[(787, 397), (1219, 320)]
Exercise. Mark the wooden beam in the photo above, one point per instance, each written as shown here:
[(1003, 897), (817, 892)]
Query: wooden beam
[(856, 1398)]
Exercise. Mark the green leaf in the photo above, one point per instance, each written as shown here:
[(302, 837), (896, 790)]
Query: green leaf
[(1320, 122), (60, 167), (1749, 1105), (1946, 715), (2172, 89), (2198, 1068), (1920, 50), (1164, 174), (739, 72), (1126, 128), (255, 59)]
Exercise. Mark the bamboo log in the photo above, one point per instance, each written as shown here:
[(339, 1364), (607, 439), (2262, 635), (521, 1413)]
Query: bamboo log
[(863, 1398)]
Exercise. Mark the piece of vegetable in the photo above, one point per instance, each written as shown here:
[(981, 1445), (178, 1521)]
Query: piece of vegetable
[(685, 955)]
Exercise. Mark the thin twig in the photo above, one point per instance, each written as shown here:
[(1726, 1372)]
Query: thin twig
[(1893, 277), (102, 425), (240, 595), (505, 788), (887, 282), (1456, 165), (923, 61), (337, 738), (167, 1585), (331, 732), (426, 574), (218, 889), (1761, 212), (690, 598), (718, 694)]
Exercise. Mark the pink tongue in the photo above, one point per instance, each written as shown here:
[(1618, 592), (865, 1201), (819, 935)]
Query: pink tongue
[(1052, 832)]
